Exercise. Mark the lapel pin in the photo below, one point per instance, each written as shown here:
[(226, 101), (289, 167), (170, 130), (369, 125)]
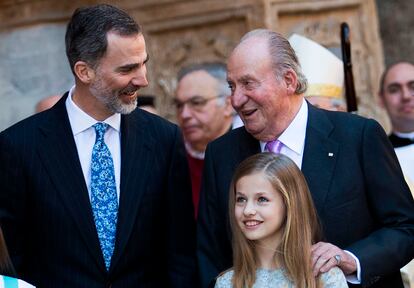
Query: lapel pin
[(330, 154)]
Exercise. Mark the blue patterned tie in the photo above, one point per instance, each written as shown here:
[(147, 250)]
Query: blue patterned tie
[(103, 193)]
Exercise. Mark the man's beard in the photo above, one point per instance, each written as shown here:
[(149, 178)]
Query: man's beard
[(111, 98)]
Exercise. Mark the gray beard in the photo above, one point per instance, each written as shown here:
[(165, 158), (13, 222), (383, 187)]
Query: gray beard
[(112, 101), (115, 105)]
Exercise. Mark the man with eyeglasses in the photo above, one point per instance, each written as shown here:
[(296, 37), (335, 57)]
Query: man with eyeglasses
[(204, 113)]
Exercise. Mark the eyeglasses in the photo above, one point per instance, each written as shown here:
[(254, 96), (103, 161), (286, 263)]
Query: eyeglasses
[(195, 103)]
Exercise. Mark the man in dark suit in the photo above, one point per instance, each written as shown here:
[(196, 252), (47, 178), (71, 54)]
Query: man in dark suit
[(93, 192), (364, 204)]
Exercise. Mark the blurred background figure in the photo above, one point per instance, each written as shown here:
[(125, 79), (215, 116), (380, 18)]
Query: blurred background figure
[(396, 95), (47, 103), (204, 113), (147, 103), (324, 72)]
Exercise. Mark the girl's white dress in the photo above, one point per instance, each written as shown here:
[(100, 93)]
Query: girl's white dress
[(334, 278), (9, 282)]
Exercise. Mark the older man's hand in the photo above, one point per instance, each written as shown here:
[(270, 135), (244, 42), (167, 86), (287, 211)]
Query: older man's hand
[(325, 256)]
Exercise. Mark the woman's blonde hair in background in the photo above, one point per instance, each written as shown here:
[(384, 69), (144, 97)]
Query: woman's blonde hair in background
[(301, 228)]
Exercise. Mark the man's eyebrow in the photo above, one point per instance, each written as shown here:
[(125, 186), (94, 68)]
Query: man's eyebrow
[(146, 59), (242, 78), (394, 84), (246, 77), (129, 67)]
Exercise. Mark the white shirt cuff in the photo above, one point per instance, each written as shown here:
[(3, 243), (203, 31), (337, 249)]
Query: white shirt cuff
[(354, 278)]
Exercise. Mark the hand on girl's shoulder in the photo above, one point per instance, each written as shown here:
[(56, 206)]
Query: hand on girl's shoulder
[(334, 278), (224, 280)]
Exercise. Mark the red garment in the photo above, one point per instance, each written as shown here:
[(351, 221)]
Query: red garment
[(196, 171)]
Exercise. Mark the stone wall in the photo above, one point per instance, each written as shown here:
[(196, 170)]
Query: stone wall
[(178, 32), (397, 26)]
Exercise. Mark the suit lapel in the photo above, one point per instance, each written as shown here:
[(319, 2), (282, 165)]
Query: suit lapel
[(136, 146), (320, 155), (59, 155), (247, 145)]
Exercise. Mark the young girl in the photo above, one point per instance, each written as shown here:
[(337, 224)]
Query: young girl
[(274, 225)]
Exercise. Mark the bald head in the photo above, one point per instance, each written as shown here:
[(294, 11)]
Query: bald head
[(47, 103)]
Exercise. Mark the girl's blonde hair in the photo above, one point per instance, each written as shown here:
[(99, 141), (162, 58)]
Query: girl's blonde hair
[(301, 228), (6, 267)]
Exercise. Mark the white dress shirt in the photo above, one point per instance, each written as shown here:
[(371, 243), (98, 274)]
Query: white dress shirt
[(405, 156), (85, 136), (293, 139)]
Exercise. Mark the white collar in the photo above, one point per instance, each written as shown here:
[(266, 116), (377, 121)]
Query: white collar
[(193, 153), (80, 121), (294, 135), (409, 135)]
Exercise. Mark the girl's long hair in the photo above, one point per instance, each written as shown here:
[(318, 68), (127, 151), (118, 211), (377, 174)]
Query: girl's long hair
[(6, 267), (300, 231)]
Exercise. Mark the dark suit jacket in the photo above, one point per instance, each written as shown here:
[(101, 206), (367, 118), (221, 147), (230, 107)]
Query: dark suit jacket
[(47, 218), (360, 194)]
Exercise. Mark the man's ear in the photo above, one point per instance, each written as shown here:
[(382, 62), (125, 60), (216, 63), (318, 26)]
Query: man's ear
[(84, 72), (291, 80)]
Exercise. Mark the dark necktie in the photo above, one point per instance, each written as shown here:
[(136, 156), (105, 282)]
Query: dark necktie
[(399, 141)]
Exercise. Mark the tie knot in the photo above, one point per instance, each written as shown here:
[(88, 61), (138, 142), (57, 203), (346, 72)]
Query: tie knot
[(100, 129), (274, 146)]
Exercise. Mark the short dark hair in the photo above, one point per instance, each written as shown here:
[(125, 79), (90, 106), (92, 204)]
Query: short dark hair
[(86, 33)]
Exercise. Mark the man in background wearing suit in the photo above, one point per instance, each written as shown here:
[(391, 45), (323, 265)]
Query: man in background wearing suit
[(93, 192), (204, 113), (364, 204), (396, 95)]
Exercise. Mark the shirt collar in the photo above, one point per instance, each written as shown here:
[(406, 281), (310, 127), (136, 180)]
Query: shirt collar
[(193, 153), (294, 135), (80, 121), (409, 135)]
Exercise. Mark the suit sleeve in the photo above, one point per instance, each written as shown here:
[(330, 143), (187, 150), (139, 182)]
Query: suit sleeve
[(391, 245), (12, 198), (181, 224), (213, 247)]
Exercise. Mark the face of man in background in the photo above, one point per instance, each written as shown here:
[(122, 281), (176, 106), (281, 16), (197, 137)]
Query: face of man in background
[(199, 114), (397, 96)]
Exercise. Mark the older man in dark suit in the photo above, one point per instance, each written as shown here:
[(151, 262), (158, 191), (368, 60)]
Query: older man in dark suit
[(93, 192), (364, 204)]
